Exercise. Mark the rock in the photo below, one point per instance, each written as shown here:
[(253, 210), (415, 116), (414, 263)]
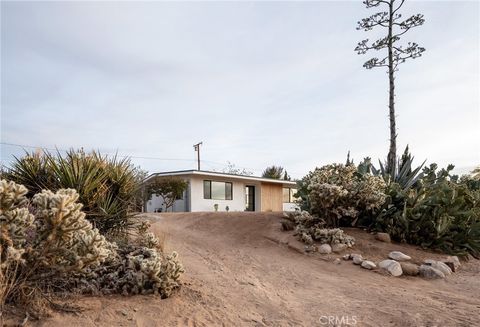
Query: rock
[(324, 249), (310, 248), (429, 272), (452, 262), (346, 257), (368, 265), (398, 256), (337, 261), (444, 268), (409, 269), (392, 267), (383, 237), (339, 247), (357, 258)]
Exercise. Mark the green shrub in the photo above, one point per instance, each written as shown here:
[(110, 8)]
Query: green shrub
[(108, 187), (341, 196), (439, 213)]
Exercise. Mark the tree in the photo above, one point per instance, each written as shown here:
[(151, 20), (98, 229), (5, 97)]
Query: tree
[(286, 176), (476, 173), (396, 54), (275, 172), (168, 188), (232, 169)]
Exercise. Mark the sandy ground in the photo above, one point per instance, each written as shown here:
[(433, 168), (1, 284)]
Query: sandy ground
[(242, 270)]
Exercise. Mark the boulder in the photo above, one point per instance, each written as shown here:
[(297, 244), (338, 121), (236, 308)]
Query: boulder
[(346, 257), (429, 272), (337, 261), (357, 258), (338, 247), (398, 256), (368, 265), (452, 262), (392, 267), (324, 249), (409, 269), (383, 237), (443, 267)]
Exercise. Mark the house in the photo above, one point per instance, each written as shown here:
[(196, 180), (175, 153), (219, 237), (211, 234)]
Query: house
[(207, 190)]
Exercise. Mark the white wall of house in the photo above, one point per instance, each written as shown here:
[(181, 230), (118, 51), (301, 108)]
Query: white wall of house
[(290, 206), (156, 202), (198, 203), (193, 199)]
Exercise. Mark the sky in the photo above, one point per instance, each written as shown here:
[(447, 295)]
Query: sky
[(259, 83)]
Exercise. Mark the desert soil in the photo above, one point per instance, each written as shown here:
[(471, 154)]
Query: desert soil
[(242, 270)]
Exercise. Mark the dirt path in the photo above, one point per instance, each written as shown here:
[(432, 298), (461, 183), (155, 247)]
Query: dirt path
[(241, 273)]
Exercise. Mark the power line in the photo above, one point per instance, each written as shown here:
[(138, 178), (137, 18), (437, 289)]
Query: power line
[(223, 165), (121, 156)]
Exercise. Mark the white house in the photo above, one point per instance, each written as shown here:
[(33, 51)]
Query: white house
[(207, 190)]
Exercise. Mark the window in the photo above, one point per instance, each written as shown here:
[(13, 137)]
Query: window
[(217, 190), (288, 194)]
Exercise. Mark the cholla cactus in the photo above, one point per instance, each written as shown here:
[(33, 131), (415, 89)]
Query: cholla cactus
[(66, 241), (136, 270), (148, 240), (338, 192), (311, 228), (333, 236), (57, 241), (15, 219)]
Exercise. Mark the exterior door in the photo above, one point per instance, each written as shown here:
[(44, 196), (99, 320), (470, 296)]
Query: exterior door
[(249, 198)]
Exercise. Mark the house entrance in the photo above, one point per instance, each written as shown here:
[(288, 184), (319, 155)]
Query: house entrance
[(249, 198)]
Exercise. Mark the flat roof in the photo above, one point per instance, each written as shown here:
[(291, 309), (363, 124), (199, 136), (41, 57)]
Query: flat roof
[(218, 174)]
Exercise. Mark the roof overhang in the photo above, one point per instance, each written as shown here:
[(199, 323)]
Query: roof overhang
[(213, 174)]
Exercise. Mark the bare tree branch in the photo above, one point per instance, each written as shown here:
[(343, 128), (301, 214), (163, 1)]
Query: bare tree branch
[(380, 18), (375, 62), (374, 3)]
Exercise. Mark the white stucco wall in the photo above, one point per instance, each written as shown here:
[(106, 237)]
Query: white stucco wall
[(290, 207), (157, 202), (198, 203), (193, 197)]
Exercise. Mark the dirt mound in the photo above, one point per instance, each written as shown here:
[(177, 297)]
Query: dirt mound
[(242, 270)]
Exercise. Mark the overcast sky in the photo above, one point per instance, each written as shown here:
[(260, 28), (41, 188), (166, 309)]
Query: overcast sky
[(259, 83)]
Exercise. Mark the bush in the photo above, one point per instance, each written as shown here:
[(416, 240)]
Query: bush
[(47, 244), (342, 196), (440, 213), (312, 228), (108, 187)]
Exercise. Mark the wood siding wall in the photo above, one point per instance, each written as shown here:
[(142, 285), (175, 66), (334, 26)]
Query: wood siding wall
[(271, 197)]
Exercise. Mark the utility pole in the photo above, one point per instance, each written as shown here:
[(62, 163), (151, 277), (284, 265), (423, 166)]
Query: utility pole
[(197, 149)]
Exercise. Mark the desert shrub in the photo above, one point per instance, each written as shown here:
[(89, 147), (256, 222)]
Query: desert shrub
[(108, 187), (440, 213), (402, 173), (341, 196), (311, 228), (168, 188), (47, 244)]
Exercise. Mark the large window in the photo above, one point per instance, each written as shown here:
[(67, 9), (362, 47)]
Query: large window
[(288, 194), (217, 190)]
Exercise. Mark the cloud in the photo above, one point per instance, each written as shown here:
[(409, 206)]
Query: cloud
[(259, 83)]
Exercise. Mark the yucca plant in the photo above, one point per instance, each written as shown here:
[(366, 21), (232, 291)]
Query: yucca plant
[(108, 187), (403, 173)]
